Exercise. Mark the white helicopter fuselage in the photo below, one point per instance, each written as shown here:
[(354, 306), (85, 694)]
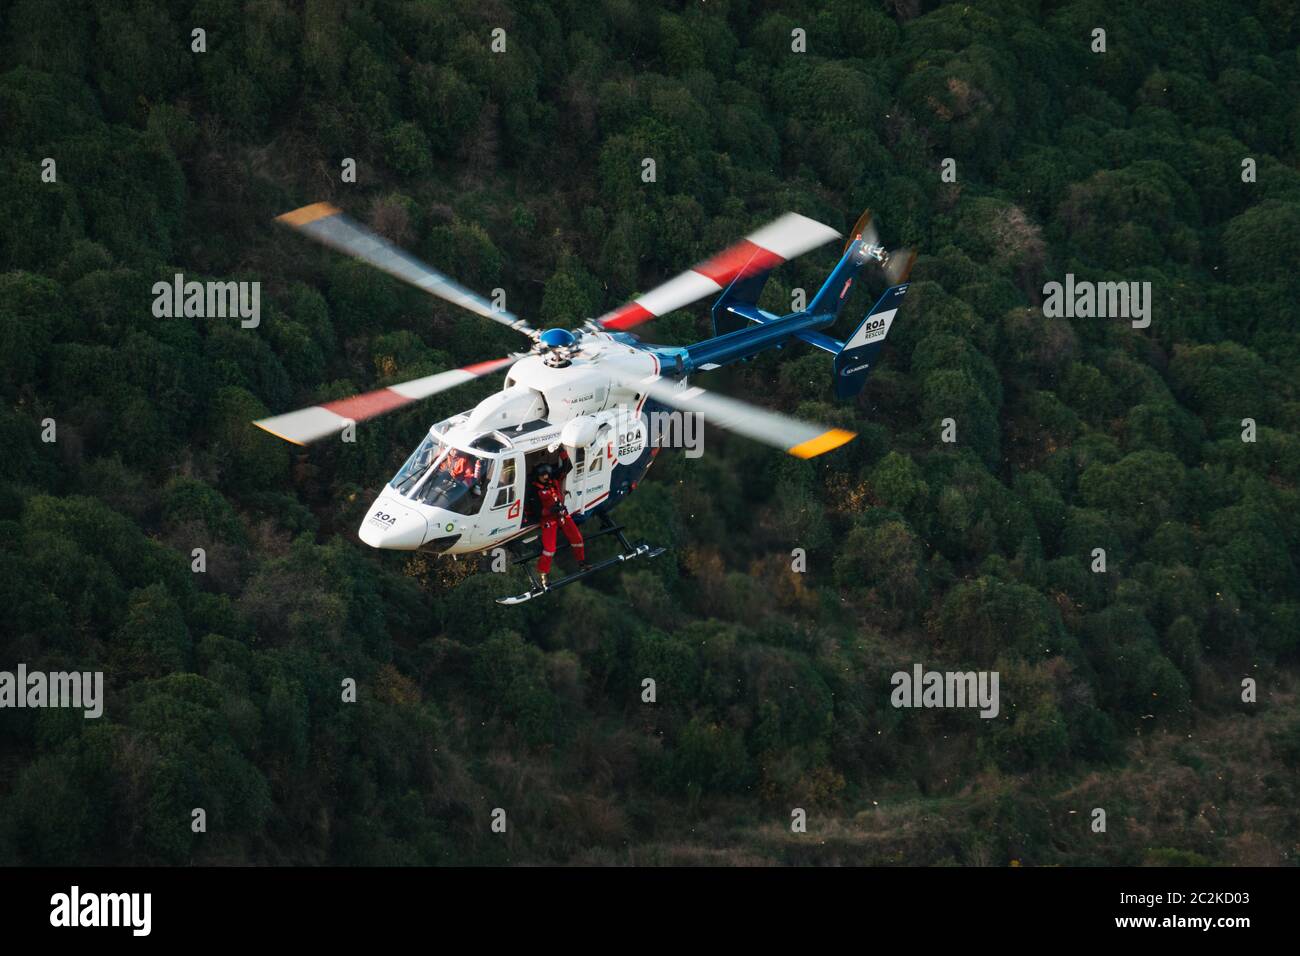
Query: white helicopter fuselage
[(592, 393), (583, 404)]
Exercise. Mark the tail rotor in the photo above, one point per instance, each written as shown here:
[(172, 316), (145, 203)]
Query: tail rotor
[(895, 264)]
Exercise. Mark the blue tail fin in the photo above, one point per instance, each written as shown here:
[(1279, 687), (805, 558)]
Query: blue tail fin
[(860, 350), (857, 252)]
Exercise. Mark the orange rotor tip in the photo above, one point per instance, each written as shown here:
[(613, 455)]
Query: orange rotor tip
[(306, 214), (826, 441)]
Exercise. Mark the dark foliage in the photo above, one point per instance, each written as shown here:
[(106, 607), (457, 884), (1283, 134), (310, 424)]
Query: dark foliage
[(520, 170)]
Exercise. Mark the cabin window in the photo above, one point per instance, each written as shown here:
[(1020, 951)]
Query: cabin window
[(506, 491)]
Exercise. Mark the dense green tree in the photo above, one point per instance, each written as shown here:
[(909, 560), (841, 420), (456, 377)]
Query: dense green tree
[(1170, 160)]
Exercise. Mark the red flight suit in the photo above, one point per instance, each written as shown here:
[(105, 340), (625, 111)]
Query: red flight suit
[(550, 501), (460, 468)]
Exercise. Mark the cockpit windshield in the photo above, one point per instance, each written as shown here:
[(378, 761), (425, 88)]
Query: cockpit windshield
[(416, 466), (442, 476)]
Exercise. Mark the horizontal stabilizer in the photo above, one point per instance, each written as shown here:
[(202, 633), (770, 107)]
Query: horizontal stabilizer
[(821, 341)]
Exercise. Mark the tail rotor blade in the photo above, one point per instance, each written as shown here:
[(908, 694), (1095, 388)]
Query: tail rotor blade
[(899, 266), (864, 228)]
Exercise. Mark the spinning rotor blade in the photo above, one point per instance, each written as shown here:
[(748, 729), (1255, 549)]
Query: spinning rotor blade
[(897, 264), (863, 229), (798, 438), (328, 225), (777, 242), (308, 424)]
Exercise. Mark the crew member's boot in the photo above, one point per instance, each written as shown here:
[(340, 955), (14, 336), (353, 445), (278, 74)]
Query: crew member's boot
[(543, 577)]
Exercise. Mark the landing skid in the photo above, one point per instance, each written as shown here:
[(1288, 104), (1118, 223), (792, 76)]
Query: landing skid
[(630, 552)]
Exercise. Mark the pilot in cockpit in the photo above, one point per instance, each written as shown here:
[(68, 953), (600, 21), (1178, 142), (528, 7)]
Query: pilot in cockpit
[(464, 468)]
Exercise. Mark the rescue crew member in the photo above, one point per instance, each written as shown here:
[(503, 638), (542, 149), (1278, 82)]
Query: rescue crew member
[(548, 485)]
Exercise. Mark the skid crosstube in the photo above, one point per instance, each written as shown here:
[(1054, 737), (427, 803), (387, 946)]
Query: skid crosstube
[(630, 552), (606, 527)]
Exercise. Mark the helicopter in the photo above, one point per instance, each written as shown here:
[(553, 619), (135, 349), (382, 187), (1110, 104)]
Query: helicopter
[(589, 391)]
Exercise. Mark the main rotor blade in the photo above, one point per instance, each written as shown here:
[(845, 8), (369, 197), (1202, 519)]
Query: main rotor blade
[(777, 242), (309, 424), (328, 225), (799, 438)]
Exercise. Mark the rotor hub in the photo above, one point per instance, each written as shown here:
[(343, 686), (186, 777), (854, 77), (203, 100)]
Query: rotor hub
[(557, 346)]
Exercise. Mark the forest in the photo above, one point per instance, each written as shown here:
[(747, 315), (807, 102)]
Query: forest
[(1171, 157)]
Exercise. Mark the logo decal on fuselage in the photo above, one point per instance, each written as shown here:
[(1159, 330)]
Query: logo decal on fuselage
[(629, 440)]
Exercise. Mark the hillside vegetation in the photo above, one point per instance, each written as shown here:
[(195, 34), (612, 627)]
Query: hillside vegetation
[(522, 171)]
